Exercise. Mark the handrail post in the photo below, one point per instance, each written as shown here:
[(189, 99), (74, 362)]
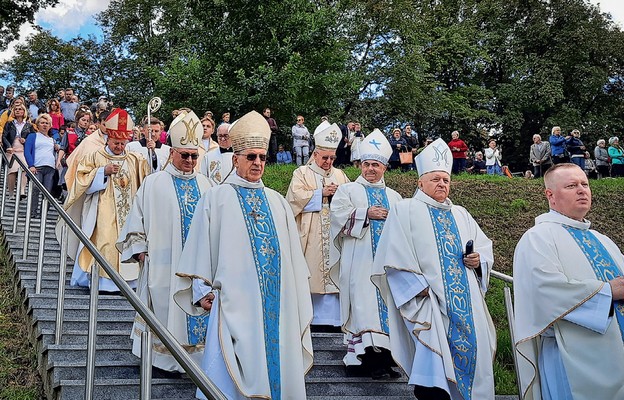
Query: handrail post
[(18, 195), (512, 333), (60, 301), (5, 173), (146, 364), (92, 333), (27, 224), (42, 225)]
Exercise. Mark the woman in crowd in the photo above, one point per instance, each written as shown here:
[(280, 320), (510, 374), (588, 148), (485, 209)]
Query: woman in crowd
[(398, 144), (617, 157), (13, 139), (54, 109), (40, 152), (602, 159), (576, 149), (459, 151), (493, 159)]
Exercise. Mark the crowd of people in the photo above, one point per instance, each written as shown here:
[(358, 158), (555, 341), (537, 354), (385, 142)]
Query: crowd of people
[(241, 275)]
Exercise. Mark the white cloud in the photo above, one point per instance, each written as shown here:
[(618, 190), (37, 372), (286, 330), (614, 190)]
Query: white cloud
[(65, 20), (614, 7)]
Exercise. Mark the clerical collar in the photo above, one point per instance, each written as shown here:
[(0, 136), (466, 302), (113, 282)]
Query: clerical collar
[(226, 150), (170, 168), (321, 171), (422, 196), (379, 184), (234, 179), (110, 152), (557, 217)]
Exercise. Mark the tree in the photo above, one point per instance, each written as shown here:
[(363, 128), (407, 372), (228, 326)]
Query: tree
[(15, 13)]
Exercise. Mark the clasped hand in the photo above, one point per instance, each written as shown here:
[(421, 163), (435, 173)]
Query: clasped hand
[(377, 212), (111, 169)]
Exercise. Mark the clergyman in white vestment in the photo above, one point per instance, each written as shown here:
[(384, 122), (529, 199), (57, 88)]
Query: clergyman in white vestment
[(217, 163), (243, 242), (568, 289), (441, 332), (154, 234), (358, 213)]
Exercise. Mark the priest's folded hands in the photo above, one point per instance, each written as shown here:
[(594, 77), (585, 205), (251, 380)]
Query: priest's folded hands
[(377, 212), (472, 260), (206, 301), (617, 288)]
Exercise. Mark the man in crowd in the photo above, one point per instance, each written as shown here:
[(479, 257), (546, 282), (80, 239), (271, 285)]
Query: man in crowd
[(310, 194), (539, 156), (100, 199), (258, 342), (432, 268), (358, 214), (150, 147), (8, 96), (301, 141), (217, 163), (274, 130), (568, 287), (91, 143), (68, 106), (155, 239), (35, 105), (343, 151)]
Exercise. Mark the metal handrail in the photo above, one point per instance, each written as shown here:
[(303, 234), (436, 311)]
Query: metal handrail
[(205, 385)]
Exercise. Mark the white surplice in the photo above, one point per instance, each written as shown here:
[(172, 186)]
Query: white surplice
[(567, 343), (218, 250), (154, 226), (407, 261), (216, 165), (162, 154), (350, 231)]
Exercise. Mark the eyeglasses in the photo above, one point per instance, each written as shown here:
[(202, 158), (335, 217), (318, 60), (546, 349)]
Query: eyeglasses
[(325, 158), (254, 156), (223, 137), (299, 120), (185, 156)]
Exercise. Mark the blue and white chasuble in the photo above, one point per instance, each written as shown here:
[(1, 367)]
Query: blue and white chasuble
[(601, 262), (266, 251), (377, 197), (461, 333), (188, 194)]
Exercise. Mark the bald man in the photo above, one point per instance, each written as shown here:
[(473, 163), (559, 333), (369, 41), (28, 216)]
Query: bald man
[(568, 288)]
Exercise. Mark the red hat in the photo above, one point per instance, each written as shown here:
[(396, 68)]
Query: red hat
[(119, 125)]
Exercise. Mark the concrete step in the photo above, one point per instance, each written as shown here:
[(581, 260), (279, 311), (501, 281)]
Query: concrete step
[(122, 389)]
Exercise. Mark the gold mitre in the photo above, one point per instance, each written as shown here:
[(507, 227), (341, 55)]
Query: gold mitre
[(186, 131), (251, 131)]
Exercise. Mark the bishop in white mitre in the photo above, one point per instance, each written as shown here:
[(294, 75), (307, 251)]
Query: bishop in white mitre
[(432, 268), (358, 214), (310, 194), (154, 235), (569, 290), (243, 243)]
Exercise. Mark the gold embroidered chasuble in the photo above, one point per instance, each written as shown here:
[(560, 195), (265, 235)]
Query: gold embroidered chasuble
[(108, 208), (314, 227), (90, 144)]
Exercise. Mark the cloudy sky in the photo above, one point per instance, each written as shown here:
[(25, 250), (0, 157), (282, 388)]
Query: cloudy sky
[(71, 18)]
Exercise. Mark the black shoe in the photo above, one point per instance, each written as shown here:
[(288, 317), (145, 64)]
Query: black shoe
[(393, 374), (22, 196), (380, 374)]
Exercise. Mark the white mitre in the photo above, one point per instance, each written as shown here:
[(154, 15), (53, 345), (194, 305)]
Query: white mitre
[(322, 126), (375, 146), (186, 131), (328, 138), (435, 157)]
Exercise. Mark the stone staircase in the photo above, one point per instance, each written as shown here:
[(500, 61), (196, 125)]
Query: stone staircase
[(62, 367)]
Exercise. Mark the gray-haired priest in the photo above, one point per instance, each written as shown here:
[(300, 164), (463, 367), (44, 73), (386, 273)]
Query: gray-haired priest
[(243, 242), (155, 239), (358, 214), (432, 268), (310, 193)]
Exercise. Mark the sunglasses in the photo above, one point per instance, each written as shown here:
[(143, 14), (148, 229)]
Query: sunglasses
[(325, 158), (185, 156), (252, 157)]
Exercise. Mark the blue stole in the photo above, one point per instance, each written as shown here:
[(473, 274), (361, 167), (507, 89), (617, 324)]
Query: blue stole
[(461, 333), (266, 251), (378, 197), (188, 195), (601, 262)]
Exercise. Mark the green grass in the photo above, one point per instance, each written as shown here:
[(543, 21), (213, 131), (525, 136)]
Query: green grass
[(18, 361), (504, 208)]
